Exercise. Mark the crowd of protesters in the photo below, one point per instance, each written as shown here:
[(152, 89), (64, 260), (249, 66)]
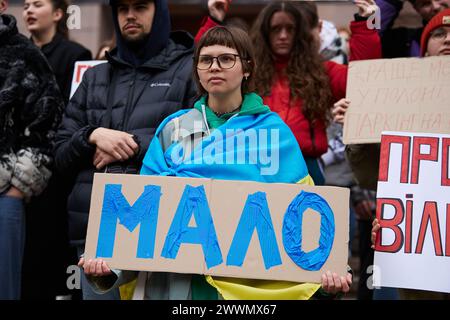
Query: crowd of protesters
[(128, 113)]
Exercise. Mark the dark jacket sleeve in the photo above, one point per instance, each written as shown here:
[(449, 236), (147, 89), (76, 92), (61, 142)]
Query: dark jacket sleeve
[(389, 10), (142, 138), (72, 149), (39, 117)]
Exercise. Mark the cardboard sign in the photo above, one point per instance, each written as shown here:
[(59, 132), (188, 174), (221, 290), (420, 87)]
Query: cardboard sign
[(413, 207), (79, 70), (224, 228), (408, 94)]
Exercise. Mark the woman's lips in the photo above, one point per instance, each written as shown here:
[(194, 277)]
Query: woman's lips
[(31, 20), (215, 80)]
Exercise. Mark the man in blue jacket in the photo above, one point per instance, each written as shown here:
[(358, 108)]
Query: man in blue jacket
[(114, 113)]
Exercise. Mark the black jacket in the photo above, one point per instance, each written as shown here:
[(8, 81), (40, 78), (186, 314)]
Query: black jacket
[(398, 42), (62, 55), (142, 97), (30, 111)]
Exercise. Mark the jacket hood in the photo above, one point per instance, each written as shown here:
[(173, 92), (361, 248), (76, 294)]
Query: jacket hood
[(156, 41), (180, 44), (8, 27)]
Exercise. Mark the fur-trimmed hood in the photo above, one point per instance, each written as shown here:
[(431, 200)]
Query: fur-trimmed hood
[(8, 27)]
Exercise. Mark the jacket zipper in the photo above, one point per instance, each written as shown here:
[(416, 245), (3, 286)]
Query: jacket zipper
[(130, 97)]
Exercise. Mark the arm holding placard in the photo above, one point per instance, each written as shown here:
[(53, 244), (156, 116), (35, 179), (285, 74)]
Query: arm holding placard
[(101, 278)]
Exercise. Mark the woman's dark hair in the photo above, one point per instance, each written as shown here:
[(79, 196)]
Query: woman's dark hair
[(234, 38), (309, 10), (61, 27), (307, 76)]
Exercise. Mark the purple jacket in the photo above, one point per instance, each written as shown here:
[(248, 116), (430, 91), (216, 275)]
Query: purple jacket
[(398, 42)]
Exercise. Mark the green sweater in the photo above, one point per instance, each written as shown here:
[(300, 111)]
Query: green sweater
[(251, 104)]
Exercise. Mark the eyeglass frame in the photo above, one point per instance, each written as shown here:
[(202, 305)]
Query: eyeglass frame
[(441, 37), (217, 59)]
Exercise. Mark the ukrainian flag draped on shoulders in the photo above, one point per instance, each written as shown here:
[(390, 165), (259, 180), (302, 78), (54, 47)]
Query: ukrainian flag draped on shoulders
[(214, 158)]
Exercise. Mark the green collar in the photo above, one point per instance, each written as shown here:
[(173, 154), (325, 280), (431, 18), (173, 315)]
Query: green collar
[(252, 104)]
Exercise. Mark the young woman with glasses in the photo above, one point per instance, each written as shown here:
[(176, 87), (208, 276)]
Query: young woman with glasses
[(227, 107)]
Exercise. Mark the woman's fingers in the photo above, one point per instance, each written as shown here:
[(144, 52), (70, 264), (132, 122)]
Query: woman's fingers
[(337, 283), (343, 103), (330, 282), (98, 268), (338, 110), (375, 230), (94, 267), (349, 279), (105, 268)]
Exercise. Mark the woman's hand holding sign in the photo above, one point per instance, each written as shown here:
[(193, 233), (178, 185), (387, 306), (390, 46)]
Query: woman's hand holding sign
[(95, 267), (375, 228), (332, 283)]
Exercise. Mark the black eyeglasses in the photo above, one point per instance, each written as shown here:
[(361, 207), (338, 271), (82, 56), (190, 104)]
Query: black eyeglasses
[(225, 61)]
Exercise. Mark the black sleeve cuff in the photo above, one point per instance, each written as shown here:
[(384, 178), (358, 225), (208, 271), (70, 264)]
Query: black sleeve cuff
[(138, 142), (88, 132), (360, 18)]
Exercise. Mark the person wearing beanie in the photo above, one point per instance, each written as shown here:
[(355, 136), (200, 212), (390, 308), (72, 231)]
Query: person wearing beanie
[(112, 117), (435, 39), (402, 41)]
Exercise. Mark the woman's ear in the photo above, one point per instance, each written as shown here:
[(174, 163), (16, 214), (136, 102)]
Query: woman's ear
[(58, 14), (3, 5)]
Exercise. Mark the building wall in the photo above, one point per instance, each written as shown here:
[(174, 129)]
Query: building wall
[(96, 25)]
